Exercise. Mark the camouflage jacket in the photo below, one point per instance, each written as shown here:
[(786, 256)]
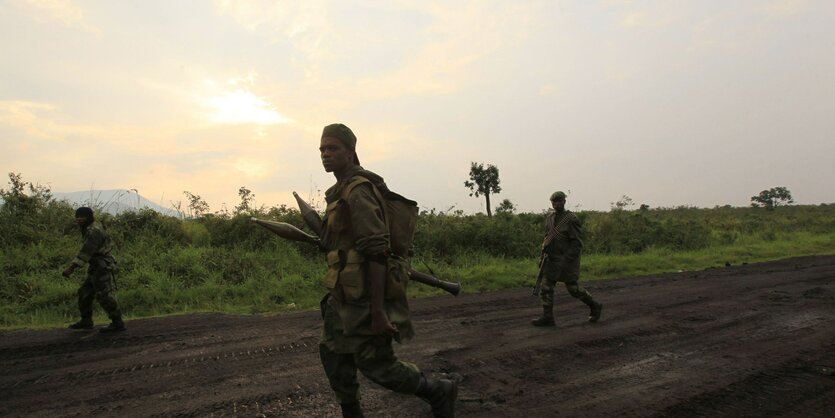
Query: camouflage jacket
[(96, 249), (565, 248), (355, 231)]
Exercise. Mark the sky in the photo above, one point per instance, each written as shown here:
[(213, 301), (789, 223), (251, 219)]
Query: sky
[(671, 103)]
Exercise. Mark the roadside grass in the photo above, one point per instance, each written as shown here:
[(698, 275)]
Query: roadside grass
[(296, 283), (482, 273)]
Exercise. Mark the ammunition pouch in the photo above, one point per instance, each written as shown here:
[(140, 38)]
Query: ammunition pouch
[(397, 278), (352, 278)]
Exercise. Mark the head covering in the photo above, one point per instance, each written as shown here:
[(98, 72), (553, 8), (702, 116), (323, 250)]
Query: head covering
[(84, 212), (557, 195), (87, 214), (344, 134)]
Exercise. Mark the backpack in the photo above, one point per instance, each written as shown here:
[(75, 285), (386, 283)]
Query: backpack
[(399, 212)]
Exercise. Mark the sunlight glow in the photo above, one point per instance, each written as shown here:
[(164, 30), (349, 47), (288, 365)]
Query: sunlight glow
[(241, 106)]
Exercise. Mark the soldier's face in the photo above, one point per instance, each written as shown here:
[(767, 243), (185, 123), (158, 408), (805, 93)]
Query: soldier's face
[(558, 204), (80, 221), (335, 155)]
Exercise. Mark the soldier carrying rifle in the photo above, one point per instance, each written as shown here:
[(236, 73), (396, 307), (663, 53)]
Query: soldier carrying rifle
[(560, 262), (100, 282), (366, 307)]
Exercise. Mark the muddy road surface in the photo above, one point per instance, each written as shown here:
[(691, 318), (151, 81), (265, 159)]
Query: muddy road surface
[(753, 340)]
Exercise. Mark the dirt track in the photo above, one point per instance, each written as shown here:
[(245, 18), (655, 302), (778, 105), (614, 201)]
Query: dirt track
[(754, 340)]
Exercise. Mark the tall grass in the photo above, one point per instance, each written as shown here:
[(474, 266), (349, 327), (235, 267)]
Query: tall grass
[(225, 263)]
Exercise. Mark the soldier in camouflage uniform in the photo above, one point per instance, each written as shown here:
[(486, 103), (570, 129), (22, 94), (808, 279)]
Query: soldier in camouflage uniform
[(561, 252), (100, 282), (366, 307)]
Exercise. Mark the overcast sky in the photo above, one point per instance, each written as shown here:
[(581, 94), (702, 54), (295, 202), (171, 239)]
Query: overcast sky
[(672, 103)]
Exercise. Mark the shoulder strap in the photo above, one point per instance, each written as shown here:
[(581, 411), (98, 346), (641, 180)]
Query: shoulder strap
[(357, 180), (554, 231)]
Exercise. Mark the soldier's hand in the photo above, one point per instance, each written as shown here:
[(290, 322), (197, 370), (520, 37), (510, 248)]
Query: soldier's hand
[(68, 271), (380, 324)]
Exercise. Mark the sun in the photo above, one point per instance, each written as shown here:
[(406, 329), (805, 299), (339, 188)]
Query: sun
[(242, 106)]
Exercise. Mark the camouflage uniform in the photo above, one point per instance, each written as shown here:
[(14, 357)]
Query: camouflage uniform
[(100, 281), (355, 232), (562, 262)]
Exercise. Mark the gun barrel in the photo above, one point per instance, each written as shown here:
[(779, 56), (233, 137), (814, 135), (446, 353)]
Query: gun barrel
[(452, 288)]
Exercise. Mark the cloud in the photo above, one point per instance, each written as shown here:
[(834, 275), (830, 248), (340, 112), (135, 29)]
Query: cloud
[(643, 19), (43, 121), (784, 8), (62, 11), (23, 116)]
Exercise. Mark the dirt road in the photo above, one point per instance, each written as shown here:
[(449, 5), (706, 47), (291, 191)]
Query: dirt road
[(754, 340)]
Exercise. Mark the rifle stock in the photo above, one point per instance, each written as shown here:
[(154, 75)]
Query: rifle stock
[(537, 287)]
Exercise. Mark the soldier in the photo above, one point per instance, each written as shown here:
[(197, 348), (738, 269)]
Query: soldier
[(561, 251), (366, 307), (100, 281)]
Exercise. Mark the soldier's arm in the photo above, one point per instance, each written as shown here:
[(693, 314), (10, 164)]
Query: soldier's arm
[(371, 239), (575, 238), (92, 242)]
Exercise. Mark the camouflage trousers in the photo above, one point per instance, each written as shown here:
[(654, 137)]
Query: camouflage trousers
[(546, 294), (569, 276), (100, 285), (371, 355)]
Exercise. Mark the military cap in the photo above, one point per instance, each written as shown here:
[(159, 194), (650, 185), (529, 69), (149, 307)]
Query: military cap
[(84, 212), (342, 133), (557, 195)]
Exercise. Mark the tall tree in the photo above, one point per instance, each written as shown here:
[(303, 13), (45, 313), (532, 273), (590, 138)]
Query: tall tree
[(772, 198), (483, 181)]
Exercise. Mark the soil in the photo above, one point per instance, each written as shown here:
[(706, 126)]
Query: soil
[(749, 340)]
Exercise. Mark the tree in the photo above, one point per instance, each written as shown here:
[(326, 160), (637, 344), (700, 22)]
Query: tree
[(196, 205), (247, 199), (506, 207), (483, 181), (624, 202), (772, 198), (17, 202)]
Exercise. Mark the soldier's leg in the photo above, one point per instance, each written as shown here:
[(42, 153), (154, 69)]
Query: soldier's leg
[(595, 308), (342, 376), (86, 294), (546, 297), (339, 367), (377, 361), (106, 294)]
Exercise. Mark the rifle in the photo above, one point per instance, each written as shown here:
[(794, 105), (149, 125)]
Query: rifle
[(313, 220), (537, 287)]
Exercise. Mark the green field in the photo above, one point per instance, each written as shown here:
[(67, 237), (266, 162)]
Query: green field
[(224, 263)]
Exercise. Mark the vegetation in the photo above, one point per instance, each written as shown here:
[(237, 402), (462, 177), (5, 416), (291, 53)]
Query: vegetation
[(772, 198), (223, 262), (483, 181)]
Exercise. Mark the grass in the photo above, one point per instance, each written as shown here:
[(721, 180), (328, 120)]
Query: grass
[(297, 285)]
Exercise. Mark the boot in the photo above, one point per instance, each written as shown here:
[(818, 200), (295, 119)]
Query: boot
[(116, 325), (440, 394), (352, 410), (595, 311), (84, 323), (547, 318)]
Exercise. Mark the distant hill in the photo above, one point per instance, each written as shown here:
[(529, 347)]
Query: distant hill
[(112, 201)]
